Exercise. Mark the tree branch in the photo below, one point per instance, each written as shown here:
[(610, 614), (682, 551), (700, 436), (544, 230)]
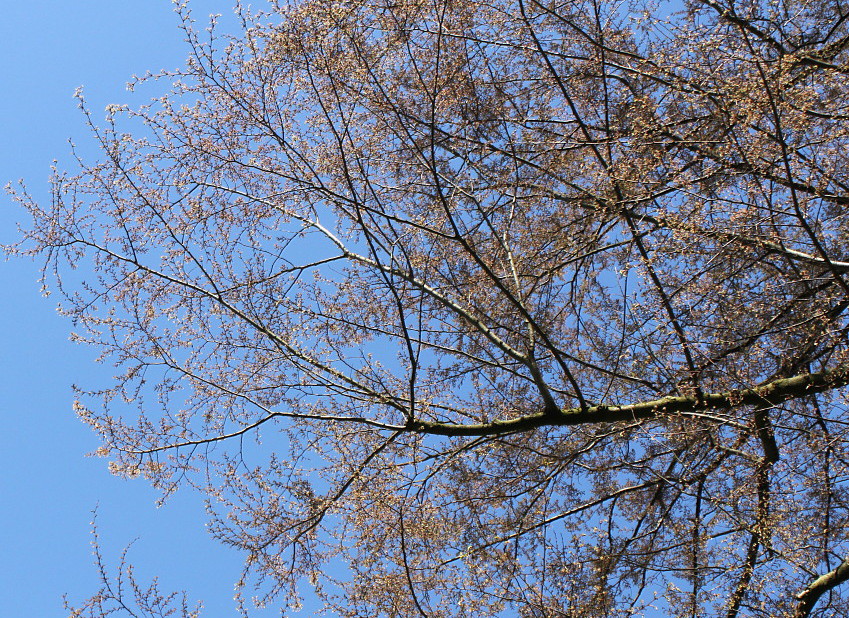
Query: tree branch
[(808, 598), (769, 393)]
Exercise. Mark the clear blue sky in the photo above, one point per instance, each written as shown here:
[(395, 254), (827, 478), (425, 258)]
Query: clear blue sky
[(48, 486)]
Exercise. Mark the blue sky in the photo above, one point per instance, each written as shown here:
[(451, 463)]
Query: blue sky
[(48, 486)]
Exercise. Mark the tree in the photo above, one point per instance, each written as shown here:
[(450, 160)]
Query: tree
[(513, 307)]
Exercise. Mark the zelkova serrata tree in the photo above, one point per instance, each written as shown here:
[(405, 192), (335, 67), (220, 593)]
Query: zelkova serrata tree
[(537, 308)]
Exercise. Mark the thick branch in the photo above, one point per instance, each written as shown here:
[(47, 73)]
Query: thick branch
[(808, 598), (770, 393)]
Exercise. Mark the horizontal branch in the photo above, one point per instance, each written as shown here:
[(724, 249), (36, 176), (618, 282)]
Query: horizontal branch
[(769, 393)]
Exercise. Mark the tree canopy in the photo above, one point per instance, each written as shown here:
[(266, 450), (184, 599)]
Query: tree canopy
[(480, 308)]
